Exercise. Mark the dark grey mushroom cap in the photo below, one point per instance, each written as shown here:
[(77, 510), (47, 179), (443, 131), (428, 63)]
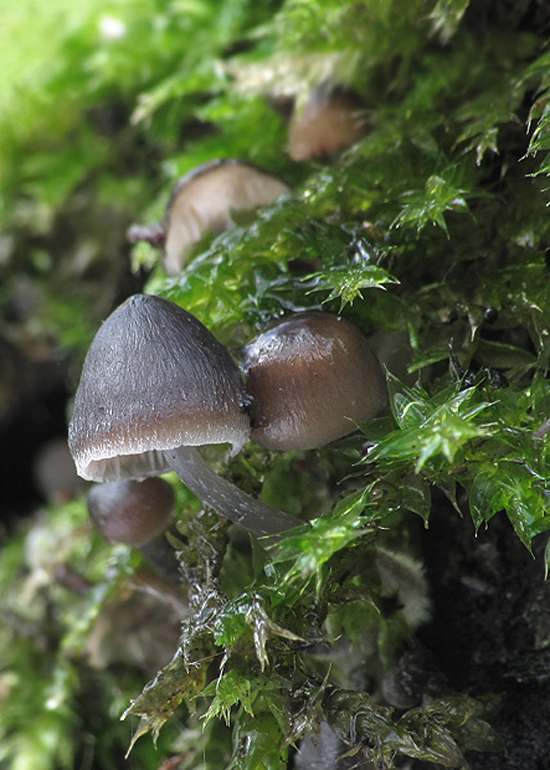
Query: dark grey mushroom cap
[(312, 378), (203, 200), (154, 379)]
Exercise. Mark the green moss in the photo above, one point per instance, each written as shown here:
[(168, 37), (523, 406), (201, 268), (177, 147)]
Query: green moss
[(434, 226)]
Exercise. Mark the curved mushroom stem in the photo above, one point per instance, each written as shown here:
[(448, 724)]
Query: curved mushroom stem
[(258, 518)]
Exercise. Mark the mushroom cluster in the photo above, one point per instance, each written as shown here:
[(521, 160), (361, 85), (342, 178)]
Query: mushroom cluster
[(156, 384)]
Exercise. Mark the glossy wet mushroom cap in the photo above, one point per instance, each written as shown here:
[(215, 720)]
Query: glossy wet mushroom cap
[(312, 377), (156, 385), (131, 512), (331, 121), (203, 201)]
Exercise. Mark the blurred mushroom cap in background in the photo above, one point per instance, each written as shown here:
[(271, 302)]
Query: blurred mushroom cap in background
[(331, 121), (203, 202)]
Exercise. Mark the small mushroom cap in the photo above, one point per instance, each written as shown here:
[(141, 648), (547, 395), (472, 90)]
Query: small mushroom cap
[(329, 122), (154, 379), (203, 200), (312, 378), (132, 512)]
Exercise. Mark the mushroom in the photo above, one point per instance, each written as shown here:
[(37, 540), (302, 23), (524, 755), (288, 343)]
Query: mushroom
[(312, 378), (130, 511), (137, 513), (332, 120), (155, 385), (203, 201)]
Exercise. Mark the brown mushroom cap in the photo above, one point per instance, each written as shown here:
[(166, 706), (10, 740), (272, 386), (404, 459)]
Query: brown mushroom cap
[(312, 378), (154, 379), (132, 512), (203, 200), (331, 121)]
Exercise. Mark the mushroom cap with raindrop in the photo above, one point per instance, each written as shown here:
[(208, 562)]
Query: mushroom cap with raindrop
[(312, 378)]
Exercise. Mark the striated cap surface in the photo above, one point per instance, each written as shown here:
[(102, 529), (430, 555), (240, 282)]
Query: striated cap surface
[(154, 379)]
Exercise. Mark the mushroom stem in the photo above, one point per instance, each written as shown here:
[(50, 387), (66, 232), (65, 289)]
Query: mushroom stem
[(162, 556), (258, 518)]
